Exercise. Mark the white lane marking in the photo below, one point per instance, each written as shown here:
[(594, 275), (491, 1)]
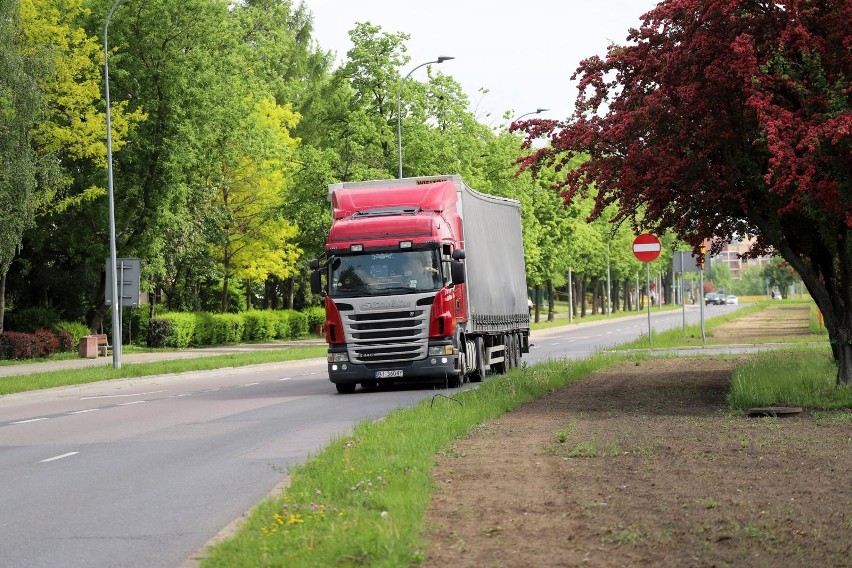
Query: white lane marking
[(83, 411), (134, 402), (59, 457), (30, 420), (249, 384), (121, 395), (285, 379)]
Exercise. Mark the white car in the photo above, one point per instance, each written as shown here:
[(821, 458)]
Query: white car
[(732, 300)]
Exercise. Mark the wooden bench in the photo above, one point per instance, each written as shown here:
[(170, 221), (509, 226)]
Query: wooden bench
[(103, 344)]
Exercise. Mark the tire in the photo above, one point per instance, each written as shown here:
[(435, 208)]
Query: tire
[(478, 372), (516, 350), (346, 388)]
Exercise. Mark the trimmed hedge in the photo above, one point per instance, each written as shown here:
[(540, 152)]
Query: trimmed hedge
[(41, 343), (198, 329)]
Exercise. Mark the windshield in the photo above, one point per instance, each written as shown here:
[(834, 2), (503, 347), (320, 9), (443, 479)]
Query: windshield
[(386, 273)]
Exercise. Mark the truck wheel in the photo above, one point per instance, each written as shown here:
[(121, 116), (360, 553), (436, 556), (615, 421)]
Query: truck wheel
[(478, 372), (516, 350), (345, 388)]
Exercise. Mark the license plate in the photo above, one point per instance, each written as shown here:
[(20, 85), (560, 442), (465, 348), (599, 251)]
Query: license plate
[(388, 374)]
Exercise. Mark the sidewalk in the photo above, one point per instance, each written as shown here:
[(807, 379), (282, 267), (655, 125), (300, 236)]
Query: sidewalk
[(82, 363)]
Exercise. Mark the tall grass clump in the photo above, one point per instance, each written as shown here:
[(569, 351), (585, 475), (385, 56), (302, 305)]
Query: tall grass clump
[(362, 500), (800, 378)]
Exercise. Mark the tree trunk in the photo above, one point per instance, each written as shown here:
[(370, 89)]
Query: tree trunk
[(248, 294), (537, 301), (3, 298), (225, 293), (550, 310), (582, 297)]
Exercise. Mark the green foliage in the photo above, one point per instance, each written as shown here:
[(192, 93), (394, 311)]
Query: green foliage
[(316, 316), (298, 322), (806, 379), (75, 329), (31, 319), (260, 325)]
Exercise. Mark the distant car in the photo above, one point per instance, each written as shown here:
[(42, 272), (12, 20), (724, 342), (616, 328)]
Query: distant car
[(731, 299), (714, 299)]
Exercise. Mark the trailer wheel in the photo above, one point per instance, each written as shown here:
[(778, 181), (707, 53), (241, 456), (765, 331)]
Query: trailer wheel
[(516, 350), (345, 388), (478, 372)]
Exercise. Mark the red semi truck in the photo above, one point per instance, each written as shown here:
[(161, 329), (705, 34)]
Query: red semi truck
[(424, 281)]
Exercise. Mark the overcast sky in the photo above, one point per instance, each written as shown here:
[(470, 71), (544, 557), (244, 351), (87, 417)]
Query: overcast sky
[(523, 53)]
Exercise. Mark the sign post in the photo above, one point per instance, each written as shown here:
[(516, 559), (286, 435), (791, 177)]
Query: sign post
[(647, 247)]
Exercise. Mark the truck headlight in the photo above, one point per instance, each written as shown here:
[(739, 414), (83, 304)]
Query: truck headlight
[(338, 358), (439, 350)]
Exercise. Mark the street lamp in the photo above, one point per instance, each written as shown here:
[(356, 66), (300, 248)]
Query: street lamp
[(440, 59), (116, 322)]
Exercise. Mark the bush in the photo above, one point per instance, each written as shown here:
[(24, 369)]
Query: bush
[(316, 316), (159, 332), (46, 343), (298, 324), (30, 319), (260, 325), (74, 329), (17, 345)]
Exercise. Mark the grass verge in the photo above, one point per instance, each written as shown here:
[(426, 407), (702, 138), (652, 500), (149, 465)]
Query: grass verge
[(35, 381), (362, 500), (806, 378)]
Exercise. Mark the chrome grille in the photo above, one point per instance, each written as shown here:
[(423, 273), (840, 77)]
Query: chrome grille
[(387, 337)]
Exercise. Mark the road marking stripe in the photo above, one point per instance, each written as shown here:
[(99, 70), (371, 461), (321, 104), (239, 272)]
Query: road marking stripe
[(30, 420), (250, 384), (134, 402), (82, 411), (285, 379), (59, 457), (121, 395)]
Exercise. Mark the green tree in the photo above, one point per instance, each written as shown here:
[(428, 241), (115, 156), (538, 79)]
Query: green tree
[(255, 241), (19, 106), (780, 275)]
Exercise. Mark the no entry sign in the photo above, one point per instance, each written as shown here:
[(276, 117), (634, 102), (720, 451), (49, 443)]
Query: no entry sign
[(646, 247)]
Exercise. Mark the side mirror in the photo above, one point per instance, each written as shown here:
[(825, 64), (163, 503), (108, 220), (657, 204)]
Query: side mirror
[(457, 271), (313, 264), (458, 254), (316, 282)]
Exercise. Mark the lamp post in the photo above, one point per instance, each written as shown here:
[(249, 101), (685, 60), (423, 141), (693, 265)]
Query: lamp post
[(116, 323), (440, 59)]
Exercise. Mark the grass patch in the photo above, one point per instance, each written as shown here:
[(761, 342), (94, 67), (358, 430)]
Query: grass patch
[(806, 378), (363, 498), (35, 381)]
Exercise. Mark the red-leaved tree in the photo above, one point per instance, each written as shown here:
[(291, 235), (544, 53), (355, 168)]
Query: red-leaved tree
[(722, 119)]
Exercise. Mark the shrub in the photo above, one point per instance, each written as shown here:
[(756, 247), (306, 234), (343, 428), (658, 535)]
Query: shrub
[(159, 332), (298, 324), (30, 319), (46, 343), (260, 325), (316, 316), (76, 330), (17, 345)]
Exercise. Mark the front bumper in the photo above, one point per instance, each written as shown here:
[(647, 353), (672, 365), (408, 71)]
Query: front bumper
[(439, 367)]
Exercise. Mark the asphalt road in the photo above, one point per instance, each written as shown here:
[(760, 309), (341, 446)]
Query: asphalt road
[(143, 472)]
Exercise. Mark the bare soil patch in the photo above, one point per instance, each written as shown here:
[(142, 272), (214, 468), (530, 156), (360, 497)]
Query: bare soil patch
[(642, 465), (774, 322)]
